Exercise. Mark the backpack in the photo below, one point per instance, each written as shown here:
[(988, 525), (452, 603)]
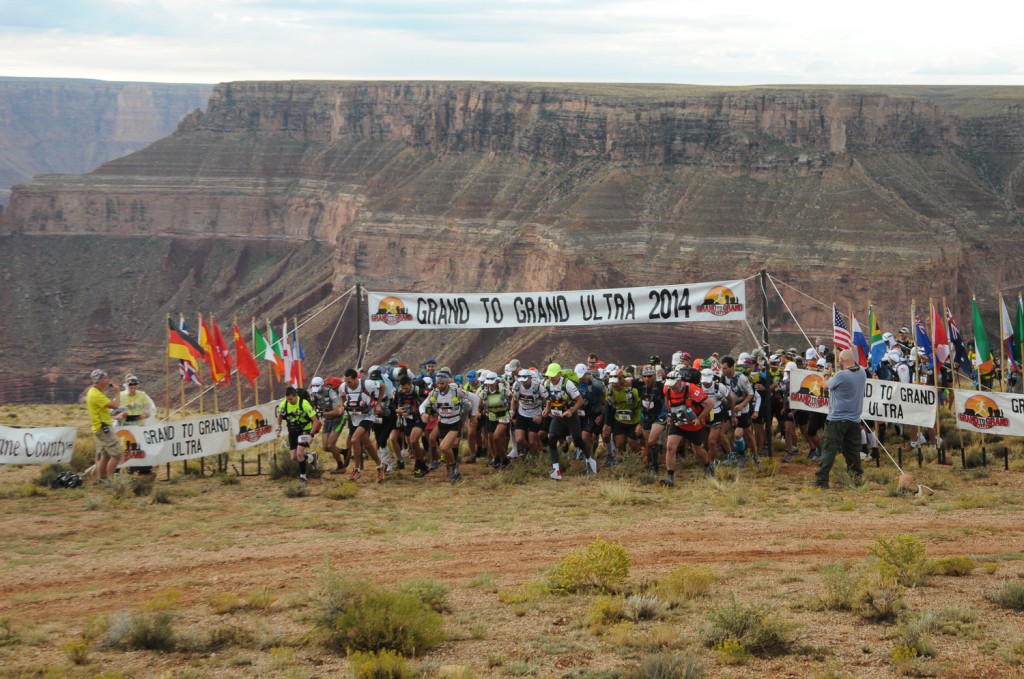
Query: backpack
[(691, 375), (885, 372), (571, 375), (334, 383)]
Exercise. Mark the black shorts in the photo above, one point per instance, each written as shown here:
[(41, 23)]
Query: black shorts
[(445, 429), (800, 417), (293, 438), (492, 425), (624, 429), (742, 420), (366, 424), (815, 423), (693, 437), (527, 424)]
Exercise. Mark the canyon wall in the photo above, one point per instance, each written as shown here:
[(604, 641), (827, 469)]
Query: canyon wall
[(847, 194)]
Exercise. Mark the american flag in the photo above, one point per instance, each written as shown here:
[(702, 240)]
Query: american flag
[(840, 332)]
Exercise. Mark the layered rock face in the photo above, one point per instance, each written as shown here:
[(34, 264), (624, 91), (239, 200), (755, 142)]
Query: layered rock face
[(847, 194), (72, 126)]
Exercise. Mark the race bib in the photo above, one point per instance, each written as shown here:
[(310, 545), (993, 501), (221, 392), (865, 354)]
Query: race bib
[(624, 415), (305, 439)]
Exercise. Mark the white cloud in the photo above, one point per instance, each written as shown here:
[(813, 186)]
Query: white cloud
[(744, 42)]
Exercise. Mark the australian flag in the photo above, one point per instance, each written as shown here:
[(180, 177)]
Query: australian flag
[(955, 339), (922, 340)]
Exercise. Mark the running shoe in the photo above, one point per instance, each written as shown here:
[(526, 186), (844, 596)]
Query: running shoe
[(730, 460), (457, 478), (380, 474), (788, 458), (579, 453), (591, 466), (313, 460), (302, 479), (388, 469), (556, 474), (668, 481), (421, 472), (339, 470), (435, 465), (354, 476)]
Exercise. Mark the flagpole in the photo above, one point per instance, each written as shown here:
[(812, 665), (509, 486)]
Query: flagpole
[(949, 345), (211, 341), (913, 346), (270, 339), (167, 371), (256, 384), (238, 379), (1002, 335)]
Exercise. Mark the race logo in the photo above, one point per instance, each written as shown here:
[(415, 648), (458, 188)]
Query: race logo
[(391, 311), (720, 301), (129, 446), (813, 392), (982, 412), (252, 427)]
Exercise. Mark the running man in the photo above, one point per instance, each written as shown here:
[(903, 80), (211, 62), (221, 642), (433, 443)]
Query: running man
[(563, 403), (688, 407), (303, 425), (446, 404), (359, 398)]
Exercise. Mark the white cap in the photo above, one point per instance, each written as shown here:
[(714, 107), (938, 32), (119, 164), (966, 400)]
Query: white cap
[(811, 354), (743, 357), (707, 376), (316, 385), (490, 377), (887, 337), (677, 358), (894, 355), (821, 349), (524, 375), (580, 370), (612, 368)]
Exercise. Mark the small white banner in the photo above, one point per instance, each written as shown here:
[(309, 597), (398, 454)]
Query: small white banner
[(990, 412), (885, 401), (40, 445), (718, 301), (254, 426), (175, 440)]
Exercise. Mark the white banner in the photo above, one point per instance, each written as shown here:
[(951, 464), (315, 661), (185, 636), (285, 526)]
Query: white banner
[(254, 426), (719, 301), (176, 440), (885, 401), (990, 412), (41, 445)]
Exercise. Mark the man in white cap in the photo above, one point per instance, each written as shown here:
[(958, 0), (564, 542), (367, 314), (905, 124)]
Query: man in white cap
[(102, 411), (328, 405), (528, 398)]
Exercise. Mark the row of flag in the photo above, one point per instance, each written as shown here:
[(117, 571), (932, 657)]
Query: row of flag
[(284, 352), (870, 349)]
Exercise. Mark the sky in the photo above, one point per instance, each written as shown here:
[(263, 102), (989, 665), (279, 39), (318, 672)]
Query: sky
[(741, 42)]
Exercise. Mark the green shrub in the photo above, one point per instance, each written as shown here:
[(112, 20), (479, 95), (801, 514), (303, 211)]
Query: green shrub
[(141, 631), (260, 598), (343, 490), (957, 566), (684, 583), (356, 617), (599, 565), (757, 628), (161, 496), (296, 490), (905, 557), (429, 591), (731, 652), (230, 480), (77, 650), (879, 596), (916, 635), (604, 609), (1010, 595), (840, 587), (669, 666), (381, 665)]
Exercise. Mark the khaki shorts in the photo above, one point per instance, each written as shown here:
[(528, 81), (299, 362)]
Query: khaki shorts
[(107, 444)]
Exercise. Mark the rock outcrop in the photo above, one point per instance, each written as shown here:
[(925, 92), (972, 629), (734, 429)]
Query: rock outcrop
[(71, 126), (849, 194)]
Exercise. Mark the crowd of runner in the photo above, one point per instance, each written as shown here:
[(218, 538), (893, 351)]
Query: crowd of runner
[(723, 410)]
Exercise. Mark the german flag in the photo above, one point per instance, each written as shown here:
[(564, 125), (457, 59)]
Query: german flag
[(181, 346)]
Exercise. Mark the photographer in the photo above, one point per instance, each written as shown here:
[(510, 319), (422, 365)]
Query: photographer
[(102, 412)]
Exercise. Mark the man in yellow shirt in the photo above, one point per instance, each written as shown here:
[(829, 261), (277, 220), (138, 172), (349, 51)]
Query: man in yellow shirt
[(100, 408)]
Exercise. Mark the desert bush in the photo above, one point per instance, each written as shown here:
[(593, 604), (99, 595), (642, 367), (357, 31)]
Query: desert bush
[(879, 596), (956, 566), (225, 602), (228, 636), (161, 496), (381, 665), (77, 650), (8, 634), (529, 593), (644, 607), (343, 490), (356, 617), (230, 480), (604, 609), (954, 622), (260, 598), (1010, 595), (669, 666), (599, 565), (429, 591), (294, 490), (904, 557), (757, 628), (48, 474), (915, 634), (768, 467), (840, 587), (905, 661), (685, 582), (732, 652), (164, 600), (141, 631)]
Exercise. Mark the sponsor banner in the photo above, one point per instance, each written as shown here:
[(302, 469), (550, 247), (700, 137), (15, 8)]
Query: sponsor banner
[(176, 440), (990, 412), (884, 401), (38, 445), (719, 301), (254, 426)]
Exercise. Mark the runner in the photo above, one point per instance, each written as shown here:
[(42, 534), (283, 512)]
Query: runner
[(688, 407), (594, 396), (408, 423), (717, 422), (622, 413), (563, 403), (386, 418), (528, 397), (329, 407), (654, 414), (303, 425), (445, 404), (743, 396), (360, 400), (496, 405), (474, 433)]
